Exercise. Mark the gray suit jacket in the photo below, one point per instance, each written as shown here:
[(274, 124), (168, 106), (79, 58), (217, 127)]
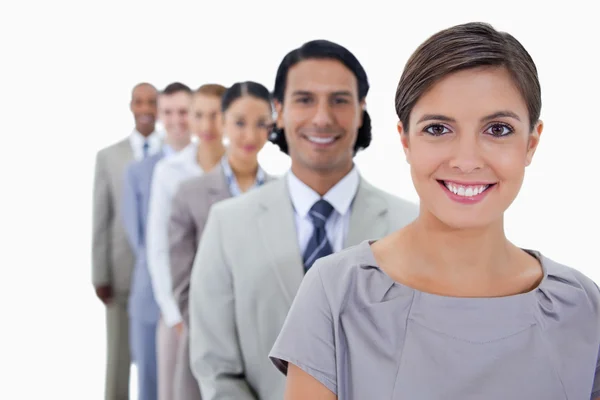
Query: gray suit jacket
[(245, 276), (189, 212), (112, 256)]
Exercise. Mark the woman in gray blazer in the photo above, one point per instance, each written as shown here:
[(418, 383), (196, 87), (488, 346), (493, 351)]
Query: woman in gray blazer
[(247, 121), (448, 307)]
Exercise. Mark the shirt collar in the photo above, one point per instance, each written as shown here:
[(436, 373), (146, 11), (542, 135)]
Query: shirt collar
[(260, 173), (340, 196), (138, 139), (168, 150)]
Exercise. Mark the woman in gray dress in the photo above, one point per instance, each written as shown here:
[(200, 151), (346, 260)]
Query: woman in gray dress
[(448, 307)]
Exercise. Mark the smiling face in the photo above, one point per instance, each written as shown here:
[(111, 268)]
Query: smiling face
[(205, 118), (321, 115), (173, 111), (143, 107), (468, 143), (247, 122)]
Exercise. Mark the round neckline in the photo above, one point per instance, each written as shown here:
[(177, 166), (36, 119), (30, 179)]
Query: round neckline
[(455, 299)]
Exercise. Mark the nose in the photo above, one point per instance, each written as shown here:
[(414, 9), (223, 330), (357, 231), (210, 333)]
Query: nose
[(323, 115), (466, 155), (148, 108), (205, 124)]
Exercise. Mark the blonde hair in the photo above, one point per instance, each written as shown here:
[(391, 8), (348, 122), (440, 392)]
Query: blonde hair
[(211, 89)]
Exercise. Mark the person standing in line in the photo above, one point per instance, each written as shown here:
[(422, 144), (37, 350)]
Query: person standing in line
[(448, 307), (256, 248), (112, 255), (247, 121), (143, 310), (202, 154)]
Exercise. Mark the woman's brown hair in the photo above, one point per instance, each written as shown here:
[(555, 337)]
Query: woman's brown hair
[(462, 47)]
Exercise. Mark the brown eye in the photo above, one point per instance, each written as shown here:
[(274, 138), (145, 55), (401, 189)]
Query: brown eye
[(499, 130), (436, 130)]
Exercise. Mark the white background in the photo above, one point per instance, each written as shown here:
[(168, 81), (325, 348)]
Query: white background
[(67, 70)]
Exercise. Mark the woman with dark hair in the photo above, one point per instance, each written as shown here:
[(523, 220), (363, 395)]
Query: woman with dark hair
[(246, 122), (448, 307)]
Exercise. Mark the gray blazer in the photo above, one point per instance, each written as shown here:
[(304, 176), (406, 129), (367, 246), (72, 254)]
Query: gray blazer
[(189, 212), (112, 255), (245, 276)]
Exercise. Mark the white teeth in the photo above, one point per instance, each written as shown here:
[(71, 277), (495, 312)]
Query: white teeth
[(321, 140), (465, 191)]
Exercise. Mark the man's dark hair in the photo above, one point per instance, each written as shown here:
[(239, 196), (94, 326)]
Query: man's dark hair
[(176, 87), (324, 50)]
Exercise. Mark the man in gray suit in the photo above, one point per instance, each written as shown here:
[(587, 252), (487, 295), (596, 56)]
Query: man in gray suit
[(112, 256), (256, 248)]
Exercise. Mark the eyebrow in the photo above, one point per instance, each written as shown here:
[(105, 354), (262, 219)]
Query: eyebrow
[(336, 93), (499, 114)]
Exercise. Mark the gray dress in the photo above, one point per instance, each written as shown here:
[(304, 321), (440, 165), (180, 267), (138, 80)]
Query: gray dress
[(367, 337)]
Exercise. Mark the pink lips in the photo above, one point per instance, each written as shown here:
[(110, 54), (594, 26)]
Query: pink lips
[(206, 136), (463, 199)]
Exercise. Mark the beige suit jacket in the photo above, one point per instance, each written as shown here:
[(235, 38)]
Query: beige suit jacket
[(191, 205), (112, 256)]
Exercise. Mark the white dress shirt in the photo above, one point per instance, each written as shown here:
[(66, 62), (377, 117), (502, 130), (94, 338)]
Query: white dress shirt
[(137, 140), (340, 197), (168, 174)]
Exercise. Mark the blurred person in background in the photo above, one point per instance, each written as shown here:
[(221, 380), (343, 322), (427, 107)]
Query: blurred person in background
[(112, 255), (173, 105), (247, 120), (203, 123)]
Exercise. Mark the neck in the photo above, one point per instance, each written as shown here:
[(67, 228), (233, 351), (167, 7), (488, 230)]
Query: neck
[(209, 155), (244, 170), (145, 132), (452, 253), (177, 145), (319, 180)]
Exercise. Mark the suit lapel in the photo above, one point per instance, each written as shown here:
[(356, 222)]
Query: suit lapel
[(218, 189), (368, 216), (126, 152), (277, 230)]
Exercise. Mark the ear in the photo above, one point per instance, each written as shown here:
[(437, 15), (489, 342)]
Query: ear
[(533, 141), (404, 140), (278, 114), (131, 105)]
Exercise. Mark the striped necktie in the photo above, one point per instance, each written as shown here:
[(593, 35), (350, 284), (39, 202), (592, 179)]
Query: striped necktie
[(318, 245)]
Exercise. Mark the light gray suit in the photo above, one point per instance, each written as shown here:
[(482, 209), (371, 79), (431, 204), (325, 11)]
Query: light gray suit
[(190, 209), (245, 276), (112, 261)]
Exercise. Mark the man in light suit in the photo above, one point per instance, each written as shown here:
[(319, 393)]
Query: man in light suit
[(112, 256), (143, 309), (256, 248)]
